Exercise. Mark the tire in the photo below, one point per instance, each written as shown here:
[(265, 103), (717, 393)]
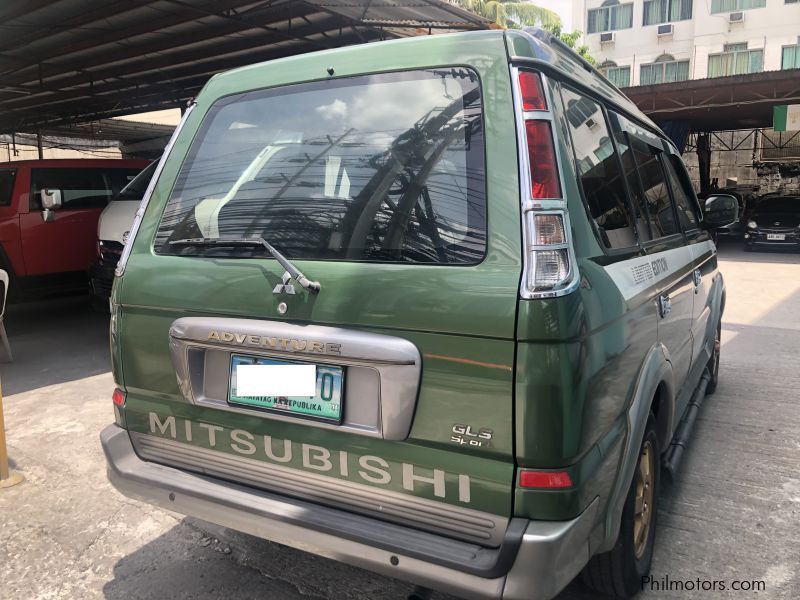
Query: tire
[(618, 573), (713, 362), (748, 248)]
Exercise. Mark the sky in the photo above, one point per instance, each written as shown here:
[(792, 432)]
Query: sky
[(562, 7)]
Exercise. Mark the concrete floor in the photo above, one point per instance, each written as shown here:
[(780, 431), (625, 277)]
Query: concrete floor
[(733, 513)]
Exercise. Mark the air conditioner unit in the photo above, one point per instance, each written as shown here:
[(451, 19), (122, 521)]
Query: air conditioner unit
[(737, 17), (607, 38), (667, 29)]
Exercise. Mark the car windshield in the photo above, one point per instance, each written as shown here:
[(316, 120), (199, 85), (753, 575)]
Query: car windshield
[(779, 205), (386, 168), (136, 188)]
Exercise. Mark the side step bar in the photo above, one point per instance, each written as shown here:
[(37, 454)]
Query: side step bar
[(684, 431)]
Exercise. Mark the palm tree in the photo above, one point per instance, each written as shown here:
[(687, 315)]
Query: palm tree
[(511, 14)]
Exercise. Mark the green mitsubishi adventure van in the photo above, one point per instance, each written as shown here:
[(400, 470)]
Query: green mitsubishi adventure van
[(442, 308)]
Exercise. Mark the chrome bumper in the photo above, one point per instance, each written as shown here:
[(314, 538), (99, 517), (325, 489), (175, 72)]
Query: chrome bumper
[(546, 559)]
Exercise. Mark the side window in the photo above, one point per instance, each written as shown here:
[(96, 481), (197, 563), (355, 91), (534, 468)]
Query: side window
[(682, 192), (657, 206), (80, 188), (599, 170), (6, 186), (634, 187)]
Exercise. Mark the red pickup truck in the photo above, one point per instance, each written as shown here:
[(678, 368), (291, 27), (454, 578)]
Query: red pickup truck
[(48, 219)]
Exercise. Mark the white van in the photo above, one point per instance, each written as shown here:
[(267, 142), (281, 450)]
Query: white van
[(112, 233)]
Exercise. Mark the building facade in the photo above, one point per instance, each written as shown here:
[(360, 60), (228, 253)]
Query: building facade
[(641, 42)]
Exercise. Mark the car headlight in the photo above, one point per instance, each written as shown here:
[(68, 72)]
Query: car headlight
[(752, 225)]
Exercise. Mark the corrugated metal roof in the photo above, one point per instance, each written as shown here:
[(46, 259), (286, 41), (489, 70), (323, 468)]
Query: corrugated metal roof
[(65, 61)]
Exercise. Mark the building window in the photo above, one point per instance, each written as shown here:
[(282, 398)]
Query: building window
[(721, 6), (664, 69), (619, 76), (666, 11), (611, 16), (735, 59), (580, 110), (791, 57)]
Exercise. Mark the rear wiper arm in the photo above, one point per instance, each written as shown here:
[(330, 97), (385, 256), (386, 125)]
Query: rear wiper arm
[(291, 271)]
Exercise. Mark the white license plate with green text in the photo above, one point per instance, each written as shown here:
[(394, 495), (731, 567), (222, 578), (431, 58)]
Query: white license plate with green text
[(300, 389)]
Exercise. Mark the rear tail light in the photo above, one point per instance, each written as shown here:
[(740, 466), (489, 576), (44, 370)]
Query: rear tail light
[(548, 229), (549, 263), (546, 480), (118, 398), (542, 160), (530, 87), (549, 253), (551, 267)]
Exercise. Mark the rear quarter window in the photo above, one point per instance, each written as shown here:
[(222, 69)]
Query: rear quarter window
[(599, 170), (7, 177), (382, 168)]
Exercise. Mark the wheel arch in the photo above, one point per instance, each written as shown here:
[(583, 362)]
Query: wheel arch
[(653, 390)]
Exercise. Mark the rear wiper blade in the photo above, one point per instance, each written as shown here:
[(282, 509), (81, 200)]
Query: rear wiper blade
[(256, 242)]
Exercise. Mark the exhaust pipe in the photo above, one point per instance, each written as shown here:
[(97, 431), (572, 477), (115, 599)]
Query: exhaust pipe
[(420, 593), (684, 432)]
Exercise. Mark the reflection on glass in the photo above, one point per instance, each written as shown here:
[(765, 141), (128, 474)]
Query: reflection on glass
[(599, 170), (383, 167)]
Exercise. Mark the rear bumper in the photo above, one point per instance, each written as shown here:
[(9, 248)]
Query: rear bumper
[(536, 560)]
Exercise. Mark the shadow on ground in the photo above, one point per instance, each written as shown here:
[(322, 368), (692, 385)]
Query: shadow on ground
[(183, 563), (202, 561), (53, 342)]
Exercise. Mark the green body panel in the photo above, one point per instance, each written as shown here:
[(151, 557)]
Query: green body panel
[(461, 318)]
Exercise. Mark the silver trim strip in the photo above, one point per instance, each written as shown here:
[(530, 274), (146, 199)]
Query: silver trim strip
[(384, 409), (437, 517), (137, 220), (540, 204)]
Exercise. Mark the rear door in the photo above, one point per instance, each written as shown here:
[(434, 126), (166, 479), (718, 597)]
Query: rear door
[(68, 241), (704, 256), (671, 267), (387, 190)]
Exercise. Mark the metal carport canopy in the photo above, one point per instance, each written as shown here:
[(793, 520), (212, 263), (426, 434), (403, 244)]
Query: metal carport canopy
[(720, 103), (66, 61)]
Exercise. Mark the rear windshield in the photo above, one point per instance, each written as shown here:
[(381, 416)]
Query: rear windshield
[(386, 168), (80, 187), (136, 188), (778, 205)]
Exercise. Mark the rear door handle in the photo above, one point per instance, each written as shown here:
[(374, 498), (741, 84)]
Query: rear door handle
[(664, 305)]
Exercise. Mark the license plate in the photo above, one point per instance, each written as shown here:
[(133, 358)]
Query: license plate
[(778, 237), (299, 389)]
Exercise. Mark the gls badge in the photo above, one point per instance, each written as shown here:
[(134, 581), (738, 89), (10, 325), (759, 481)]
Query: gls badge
[(464, 435)]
